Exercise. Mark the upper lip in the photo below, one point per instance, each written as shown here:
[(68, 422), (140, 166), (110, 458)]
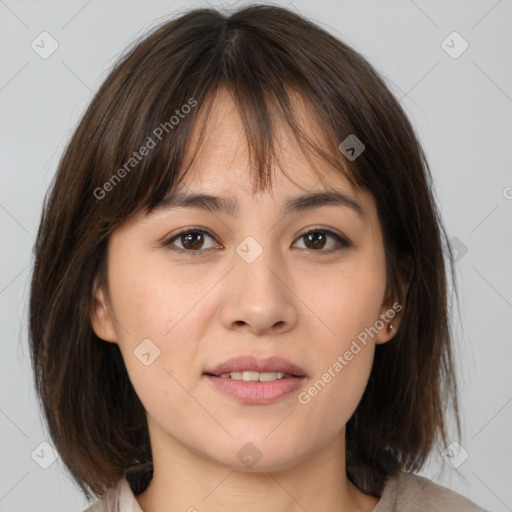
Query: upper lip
[(254, 364)]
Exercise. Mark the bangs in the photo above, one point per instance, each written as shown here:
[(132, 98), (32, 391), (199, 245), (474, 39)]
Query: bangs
[(264, 121)]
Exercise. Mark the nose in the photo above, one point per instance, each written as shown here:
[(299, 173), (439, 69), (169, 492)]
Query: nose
[(257, 297)]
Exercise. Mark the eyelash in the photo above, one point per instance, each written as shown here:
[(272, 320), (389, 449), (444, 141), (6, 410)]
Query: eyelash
[(343, 242)]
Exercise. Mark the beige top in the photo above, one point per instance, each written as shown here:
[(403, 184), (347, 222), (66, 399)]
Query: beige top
[(404, 492)]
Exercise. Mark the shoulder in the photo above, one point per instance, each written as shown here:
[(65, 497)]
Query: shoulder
[(414, 493), (118, 499)]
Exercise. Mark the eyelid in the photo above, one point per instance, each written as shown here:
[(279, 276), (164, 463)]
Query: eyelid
[(342, 238)]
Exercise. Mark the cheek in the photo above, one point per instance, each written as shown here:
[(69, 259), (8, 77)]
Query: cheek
[(152, 299), (348, 303), (342, 369), (349, 307), (155, 326)]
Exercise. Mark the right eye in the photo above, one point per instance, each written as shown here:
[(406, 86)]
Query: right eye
[(192, 239)]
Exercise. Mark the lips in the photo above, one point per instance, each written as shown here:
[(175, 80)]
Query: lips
[(249, 363), (280, 378)]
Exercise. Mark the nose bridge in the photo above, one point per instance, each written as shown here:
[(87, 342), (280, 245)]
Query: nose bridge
[(257, 265), (256, 294)]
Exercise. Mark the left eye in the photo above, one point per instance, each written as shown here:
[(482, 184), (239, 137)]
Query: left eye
[(192, 241), (315, 239)]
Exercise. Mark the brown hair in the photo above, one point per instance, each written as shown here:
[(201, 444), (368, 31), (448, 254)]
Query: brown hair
[(263, 55)]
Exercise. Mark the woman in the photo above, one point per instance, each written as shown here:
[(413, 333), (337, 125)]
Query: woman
[(239, 295)]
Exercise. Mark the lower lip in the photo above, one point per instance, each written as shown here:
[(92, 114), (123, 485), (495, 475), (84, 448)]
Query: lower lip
[(257, 393)]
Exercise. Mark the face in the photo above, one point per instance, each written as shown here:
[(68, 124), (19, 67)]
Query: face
[(307, 285)]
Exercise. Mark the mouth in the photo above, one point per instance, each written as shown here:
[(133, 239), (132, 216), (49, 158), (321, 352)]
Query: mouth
[(256, 381)]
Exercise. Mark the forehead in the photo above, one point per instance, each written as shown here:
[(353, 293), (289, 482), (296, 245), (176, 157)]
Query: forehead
[(221, 158)]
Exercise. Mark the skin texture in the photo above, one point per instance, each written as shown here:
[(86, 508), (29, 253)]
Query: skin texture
[(294, 300)]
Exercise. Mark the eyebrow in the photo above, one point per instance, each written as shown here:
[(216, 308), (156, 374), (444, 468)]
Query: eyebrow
[(230, 206)]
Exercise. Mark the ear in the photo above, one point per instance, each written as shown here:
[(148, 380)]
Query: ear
[(394, 305), (101, 317)]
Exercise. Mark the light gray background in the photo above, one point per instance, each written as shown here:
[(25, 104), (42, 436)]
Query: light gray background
[(462, 110)]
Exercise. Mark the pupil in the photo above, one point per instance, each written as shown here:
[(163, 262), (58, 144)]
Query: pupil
[(315, 237), (192, 245)]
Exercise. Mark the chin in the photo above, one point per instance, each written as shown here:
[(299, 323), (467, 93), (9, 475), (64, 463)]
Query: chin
[(259, 454)]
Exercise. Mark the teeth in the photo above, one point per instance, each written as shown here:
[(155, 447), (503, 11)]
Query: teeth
[(253, 376)]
